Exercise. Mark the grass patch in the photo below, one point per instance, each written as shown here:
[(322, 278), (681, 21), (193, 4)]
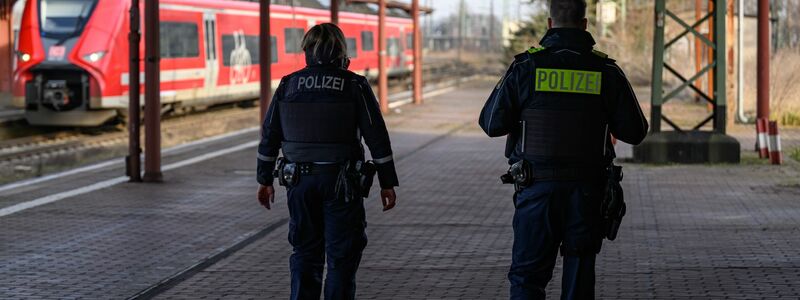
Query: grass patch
[(795, 154), (790, 119)]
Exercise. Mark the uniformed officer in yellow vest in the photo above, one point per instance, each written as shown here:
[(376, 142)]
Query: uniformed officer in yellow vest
[(559, 105)]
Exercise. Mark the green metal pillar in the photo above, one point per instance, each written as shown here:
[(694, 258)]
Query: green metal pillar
[(657, 93), (693, 145), (720, 88)]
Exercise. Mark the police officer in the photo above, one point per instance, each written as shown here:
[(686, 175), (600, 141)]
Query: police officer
[(558, 104), (318, 117)]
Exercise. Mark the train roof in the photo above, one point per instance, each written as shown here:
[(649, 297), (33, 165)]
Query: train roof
[(361, 8)]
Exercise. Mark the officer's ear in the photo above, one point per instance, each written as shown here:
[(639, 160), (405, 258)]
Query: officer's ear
[(549, 23), (585, 24)]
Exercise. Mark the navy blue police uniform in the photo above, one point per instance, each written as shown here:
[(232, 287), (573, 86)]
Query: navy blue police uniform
[(559, 105), (317, 118)]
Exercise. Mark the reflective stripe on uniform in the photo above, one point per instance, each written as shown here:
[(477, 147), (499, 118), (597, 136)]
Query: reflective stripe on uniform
[(266, 158), (533, 50), (383, 160), (568, 81)]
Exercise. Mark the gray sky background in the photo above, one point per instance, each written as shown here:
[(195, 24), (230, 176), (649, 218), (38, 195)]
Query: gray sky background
[(444, 8)]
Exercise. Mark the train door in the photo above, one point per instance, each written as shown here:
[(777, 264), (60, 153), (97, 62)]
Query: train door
[(212, 58)]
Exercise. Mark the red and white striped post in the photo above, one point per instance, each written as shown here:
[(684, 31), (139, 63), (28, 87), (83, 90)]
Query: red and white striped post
[(761, 138), (775, 156)]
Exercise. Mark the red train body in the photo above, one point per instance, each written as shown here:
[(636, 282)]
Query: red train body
[(73, 54)]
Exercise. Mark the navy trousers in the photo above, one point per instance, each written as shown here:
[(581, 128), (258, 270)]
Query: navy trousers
[(553, 215), (324, 225)]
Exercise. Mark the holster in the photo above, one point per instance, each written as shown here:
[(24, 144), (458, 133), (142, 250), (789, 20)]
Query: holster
[(360, 174), (518, 174), (286, 172), (613, 206)]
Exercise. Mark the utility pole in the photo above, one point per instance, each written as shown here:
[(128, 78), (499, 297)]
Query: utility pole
[(491, 26), (152, 93), (265, 50), (762, 61), (504, 25), (624, 12), (134, 163), (598, 17), (460, 28), (383, 80), (335, 11), (417, 45), (429, 26)]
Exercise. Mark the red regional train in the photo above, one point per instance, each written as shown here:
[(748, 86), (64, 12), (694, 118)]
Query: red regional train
[(73, 57)]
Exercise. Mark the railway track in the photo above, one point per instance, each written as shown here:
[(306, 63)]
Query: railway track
[(36, 155)]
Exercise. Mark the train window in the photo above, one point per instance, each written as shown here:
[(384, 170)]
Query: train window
[(352, 51), (410, 40), (64, 18), (179, 39), (367, 42), (294, 37), (240, 50), (274, 49), (245, 50)]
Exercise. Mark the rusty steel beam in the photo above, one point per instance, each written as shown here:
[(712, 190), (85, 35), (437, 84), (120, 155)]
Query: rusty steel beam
[(335, 11), (265, 48), (152, 94), (134, 149), (762, 107), (417, 35), (383, 78)]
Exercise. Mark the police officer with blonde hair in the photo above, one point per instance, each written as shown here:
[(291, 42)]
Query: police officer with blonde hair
[(559, 105), (318, 118)]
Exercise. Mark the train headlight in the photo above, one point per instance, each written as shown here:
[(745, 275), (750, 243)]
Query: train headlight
[(25, 57), (94, 57)]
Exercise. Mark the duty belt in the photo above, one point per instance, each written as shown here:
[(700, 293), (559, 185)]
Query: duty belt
[(566, 173), (318, 169)]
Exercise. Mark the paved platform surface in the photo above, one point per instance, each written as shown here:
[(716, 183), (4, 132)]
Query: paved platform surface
[(706, 232)]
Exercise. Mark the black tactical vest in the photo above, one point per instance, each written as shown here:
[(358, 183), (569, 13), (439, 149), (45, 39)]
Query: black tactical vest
[(564, 121), (318, 116)]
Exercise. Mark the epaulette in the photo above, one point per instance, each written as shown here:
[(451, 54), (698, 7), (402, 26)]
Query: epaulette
[(533, 50), (599, 53)]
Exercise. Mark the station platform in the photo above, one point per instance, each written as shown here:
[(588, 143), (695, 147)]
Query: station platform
[(702, 231)]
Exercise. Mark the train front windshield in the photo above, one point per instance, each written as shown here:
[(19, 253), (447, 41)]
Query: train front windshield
[(64, 18)]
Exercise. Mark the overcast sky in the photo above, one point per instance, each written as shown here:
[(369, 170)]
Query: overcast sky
[(444, 8)]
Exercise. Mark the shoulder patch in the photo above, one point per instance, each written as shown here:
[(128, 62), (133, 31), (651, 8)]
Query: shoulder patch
[(599, 53), (533, 50)]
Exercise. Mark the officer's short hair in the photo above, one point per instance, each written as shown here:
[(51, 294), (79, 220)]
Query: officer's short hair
[(325, 40), (568, 12)]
